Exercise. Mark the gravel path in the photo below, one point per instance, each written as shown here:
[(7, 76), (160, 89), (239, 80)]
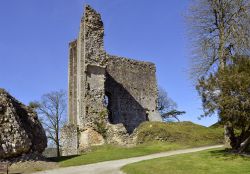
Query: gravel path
[(113, 167)]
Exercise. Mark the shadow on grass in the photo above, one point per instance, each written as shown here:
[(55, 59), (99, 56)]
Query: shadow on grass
[(227, 154), (61, 158)]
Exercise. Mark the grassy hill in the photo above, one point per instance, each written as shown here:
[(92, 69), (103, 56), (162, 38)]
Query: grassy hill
[(186, 133), (153, 137)]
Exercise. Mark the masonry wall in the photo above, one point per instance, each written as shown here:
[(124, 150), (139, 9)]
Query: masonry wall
[(86, 102), (129, 85), (94, 65), (69, 140), (72, 83), (132, 91)]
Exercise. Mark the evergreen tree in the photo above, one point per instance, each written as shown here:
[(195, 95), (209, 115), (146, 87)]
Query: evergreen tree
[(227, 92)]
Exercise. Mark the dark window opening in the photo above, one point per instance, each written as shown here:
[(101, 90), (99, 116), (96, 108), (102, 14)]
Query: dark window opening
[(108, 103), (147, 119)]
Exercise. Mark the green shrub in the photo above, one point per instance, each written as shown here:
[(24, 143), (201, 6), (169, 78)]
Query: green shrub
[(101, 123)]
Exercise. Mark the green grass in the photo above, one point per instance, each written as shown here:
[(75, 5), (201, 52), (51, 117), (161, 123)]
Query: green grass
[(111, 152), (186, 133), (154, 137), (206, 162)]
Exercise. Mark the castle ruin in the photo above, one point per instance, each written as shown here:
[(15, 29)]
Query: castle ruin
[(104, 89)]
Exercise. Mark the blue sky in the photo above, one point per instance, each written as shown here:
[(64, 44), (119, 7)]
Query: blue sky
[(34, 37)]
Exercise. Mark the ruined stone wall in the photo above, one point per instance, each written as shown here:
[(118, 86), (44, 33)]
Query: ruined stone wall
[(129, 85), (94, 94), (80, 76), (86, 68), (72, 83), (93, 37), (132, 91), (20, 129), (69, 140), (86, 78), (94, 65)]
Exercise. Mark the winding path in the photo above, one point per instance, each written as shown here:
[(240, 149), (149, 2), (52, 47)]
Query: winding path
[(113, 167)]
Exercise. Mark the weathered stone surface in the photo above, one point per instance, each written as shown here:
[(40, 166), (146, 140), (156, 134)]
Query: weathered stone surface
[(132, 91), (117, 134), (69, 140), (21, 131), (90, 137), (106, 89)]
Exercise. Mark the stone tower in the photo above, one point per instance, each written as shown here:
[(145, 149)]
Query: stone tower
[(87, 70), (105, 89)]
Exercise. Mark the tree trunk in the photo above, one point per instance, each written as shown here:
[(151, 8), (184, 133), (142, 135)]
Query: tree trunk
[(58, 149), (57, 144), (227, 140), (244, 145), (229, 137), (222, 60)]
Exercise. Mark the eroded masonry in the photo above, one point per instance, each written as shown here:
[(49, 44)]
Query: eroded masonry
[(107, 93)]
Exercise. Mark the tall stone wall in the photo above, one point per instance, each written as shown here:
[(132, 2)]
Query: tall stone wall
[(72, 83), (129, 85), (132, 92), (94, 65), (69, 140), (87, 55), (93, 38)]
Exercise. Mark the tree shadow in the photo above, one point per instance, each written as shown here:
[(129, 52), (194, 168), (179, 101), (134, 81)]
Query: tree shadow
[(61, 158), (227, 154)]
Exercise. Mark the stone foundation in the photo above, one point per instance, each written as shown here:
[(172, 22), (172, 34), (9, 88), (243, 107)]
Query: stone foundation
[(69, 140)]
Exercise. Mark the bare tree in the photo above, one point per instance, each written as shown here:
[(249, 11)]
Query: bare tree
[(166, 106), (173, 114), (218, 30), (52, 110), (164, 102)]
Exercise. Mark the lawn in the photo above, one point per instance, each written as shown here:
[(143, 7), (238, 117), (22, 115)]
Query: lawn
[(187, 133), (206, 162), (155, 137), (111, 152)]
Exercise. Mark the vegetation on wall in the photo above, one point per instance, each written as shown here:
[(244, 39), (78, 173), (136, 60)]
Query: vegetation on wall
[(101, 123)]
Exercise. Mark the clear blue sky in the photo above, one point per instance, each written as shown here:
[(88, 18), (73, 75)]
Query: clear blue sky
[(34, 37)]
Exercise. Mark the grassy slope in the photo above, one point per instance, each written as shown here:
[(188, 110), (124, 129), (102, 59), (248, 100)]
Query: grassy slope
[(186, 133), (171, 136), (111, 152), (212, 162)]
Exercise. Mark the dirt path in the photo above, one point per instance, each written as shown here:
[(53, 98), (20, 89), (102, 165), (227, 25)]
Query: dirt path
[(113, 167)]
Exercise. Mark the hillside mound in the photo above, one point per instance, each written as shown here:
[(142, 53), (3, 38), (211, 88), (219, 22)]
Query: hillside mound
[(186, 133)]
